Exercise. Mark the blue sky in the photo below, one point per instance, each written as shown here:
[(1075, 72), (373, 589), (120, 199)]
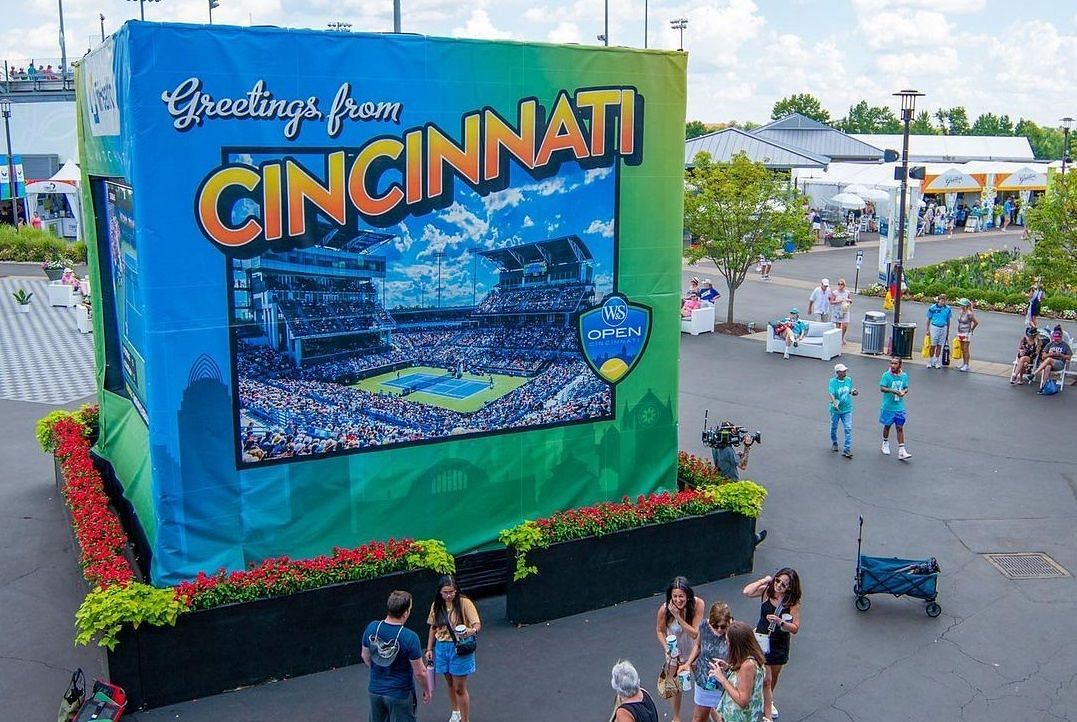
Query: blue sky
[(573, 202), (988, 55)]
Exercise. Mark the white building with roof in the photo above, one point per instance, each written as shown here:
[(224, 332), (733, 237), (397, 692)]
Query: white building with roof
[(955, 148)]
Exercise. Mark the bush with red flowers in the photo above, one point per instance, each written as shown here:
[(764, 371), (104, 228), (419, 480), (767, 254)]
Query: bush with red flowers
[(743, 497), (117, 598), (693, 471)]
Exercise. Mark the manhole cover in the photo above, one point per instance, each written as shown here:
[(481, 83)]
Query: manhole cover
[(1027, 565)]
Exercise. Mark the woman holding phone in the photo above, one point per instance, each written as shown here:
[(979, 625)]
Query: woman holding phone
[(679, 616)]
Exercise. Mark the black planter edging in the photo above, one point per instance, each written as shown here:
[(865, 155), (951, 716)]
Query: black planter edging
[(585, 574), (214, 650), (483, 574)]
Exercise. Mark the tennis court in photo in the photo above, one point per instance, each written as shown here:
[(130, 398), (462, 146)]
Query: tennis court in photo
[(438, 387)]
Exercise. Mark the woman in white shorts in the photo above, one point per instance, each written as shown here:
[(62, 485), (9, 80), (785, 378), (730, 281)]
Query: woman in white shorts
[(841, 298)]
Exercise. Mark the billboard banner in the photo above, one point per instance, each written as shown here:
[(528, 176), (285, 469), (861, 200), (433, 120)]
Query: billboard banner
[(6, 164), (420, 287)]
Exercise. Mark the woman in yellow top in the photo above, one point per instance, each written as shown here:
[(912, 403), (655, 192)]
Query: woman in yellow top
[(450, 607)]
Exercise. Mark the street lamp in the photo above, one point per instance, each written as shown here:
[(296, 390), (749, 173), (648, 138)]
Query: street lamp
[(63, 46), (644, 24), (908, 107), (605, 38), (1067, 123), (396, 16), (5, 110), (142, 7), (679, 24), (102, 17)]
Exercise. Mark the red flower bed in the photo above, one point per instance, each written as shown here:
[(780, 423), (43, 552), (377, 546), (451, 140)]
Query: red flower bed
[(100, 536), (613, 516)]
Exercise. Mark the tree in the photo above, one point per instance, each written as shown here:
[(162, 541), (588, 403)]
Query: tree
[(953, 121), (737, 211), (804, 103), (922, 125), (864, 118), (1052, 224), (694, 129), (991, 124), (1046, 142)]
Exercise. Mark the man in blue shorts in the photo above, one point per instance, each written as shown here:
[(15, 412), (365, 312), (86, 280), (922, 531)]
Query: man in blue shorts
[(395, 657), (937, 329), (894, 386)]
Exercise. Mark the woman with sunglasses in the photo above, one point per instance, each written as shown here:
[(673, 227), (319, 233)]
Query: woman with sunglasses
[(710, 645), (679, 616), (779, 617)]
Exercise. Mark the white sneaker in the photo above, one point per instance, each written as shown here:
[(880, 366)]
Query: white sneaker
[(786, 354), (964, 367), (455, 716), (902, 454), (773, 711), (886, 448)]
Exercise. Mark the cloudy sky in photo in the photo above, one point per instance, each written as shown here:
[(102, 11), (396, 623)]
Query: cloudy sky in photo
[(988, 55)]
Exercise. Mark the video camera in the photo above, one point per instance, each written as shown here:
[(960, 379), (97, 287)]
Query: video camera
[(728, 434)]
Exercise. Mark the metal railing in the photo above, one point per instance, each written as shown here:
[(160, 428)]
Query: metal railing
[(40, 75)]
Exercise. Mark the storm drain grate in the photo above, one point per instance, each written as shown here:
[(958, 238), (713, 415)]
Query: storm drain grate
[(1035, 565)]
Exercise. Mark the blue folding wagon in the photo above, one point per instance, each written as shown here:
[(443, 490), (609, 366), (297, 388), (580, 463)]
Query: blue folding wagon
[(916, 578)]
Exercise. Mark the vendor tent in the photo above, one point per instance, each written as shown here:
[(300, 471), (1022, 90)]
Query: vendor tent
[(1024, 179), (65, 221), (69, 173), (951, 180)]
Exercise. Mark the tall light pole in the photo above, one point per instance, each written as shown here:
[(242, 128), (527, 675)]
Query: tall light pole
[(102, 17), (142, 7), (63, 46), (212, 4), (606, 24), (440, 255), (5, 110), (644, 24), (396, 16), (679, 24), (1067, 123), (908, 107)]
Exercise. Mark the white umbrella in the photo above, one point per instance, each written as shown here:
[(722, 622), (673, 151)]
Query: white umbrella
[(856, 189), (847, 200)]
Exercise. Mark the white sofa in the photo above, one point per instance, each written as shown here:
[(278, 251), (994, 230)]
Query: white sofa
[(823, 341), (60, 294), (702, 320)]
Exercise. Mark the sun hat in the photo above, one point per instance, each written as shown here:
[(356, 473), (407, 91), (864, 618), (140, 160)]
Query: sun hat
[(841, 367)]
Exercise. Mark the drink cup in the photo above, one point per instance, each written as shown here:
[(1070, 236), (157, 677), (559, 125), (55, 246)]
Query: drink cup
[(460, 629), (671, 646), (685, 678)]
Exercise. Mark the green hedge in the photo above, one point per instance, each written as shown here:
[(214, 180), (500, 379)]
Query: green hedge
[(32, 244)]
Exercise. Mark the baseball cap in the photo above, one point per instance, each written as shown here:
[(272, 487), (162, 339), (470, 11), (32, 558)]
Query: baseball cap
[(795, 311), (826, 281), (841, 367), (706, 281), (964, 302)]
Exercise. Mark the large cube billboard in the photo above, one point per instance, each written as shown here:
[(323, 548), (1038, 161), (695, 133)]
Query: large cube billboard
[(360, 286)]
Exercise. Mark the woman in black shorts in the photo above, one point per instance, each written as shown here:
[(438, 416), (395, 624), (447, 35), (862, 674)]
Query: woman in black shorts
[(779, 617)]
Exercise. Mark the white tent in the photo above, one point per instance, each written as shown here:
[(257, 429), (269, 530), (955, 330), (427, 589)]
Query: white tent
[(69, 173), (1024, 179), (952, 180), (59, 205)]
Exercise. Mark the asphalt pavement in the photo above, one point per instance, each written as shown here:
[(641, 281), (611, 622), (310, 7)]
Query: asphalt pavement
[(993, 471)]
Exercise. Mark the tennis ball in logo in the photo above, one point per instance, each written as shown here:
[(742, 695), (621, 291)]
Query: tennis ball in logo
[(614, 369)]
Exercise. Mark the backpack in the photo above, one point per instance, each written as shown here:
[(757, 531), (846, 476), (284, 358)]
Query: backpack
[(1050, 388), (383, 652)]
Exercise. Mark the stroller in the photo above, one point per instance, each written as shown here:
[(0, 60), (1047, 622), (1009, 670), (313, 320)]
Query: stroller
[(889, 575)]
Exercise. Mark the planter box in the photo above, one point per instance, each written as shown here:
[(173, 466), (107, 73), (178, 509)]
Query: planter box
[(237, 645), (586, 574)]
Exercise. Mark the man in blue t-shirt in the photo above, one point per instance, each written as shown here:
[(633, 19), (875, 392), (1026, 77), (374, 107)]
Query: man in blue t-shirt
[(395, 658), (938, 329), (894, 386), (792, 329), (841, 392)]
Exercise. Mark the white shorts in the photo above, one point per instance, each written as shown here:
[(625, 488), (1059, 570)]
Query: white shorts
[(938, 335), (707, 697)]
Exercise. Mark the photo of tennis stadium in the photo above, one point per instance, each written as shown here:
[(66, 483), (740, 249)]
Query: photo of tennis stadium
[(334, 352)]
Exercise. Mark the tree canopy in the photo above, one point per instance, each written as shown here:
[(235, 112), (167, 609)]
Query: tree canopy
[(864, 118), (737, 211), (804, 103), (1052, 224), (694, 129), (953, 121)]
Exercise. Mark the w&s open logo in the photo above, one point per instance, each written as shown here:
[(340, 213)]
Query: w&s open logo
[(614, 335)]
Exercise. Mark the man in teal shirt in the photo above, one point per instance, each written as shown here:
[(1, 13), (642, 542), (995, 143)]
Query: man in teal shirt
[(841, 392), (894, 385), (792, 329)]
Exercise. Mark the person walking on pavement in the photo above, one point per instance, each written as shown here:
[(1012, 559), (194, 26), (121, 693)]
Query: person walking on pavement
[(938, 329), (841, 392), (819, 300), (966, 325), (395, 658), (894, 386)]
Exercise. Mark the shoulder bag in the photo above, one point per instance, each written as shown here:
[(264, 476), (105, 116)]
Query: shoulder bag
[(464, 645)]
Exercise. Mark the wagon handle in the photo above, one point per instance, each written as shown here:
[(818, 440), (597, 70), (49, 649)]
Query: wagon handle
[(859, 537)]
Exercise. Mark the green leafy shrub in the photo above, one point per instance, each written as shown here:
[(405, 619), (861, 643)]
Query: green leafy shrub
[(32, 244), (86, 415), (104, 611)]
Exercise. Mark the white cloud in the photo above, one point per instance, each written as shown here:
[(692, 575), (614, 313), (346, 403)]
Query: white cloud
[(478, 25), (527, 222), (470, 224), (602, 228), (596, 174), (565, 32), (508, 198)]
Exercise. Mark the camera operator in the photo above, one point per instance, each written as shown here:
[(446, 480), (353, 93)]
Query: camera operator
[(731, 462)]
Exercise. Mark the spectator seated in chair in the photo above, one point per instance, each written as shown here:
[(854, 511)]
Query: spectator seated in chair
[(792, 329), (70, 279), (709, 292), (691, 303), (1028, 351), (1054, 357)]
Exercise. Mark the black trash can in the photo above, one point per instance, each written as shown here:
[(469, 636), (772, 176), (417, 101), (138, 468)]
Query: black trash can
[(873, 337), (904, 335)]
